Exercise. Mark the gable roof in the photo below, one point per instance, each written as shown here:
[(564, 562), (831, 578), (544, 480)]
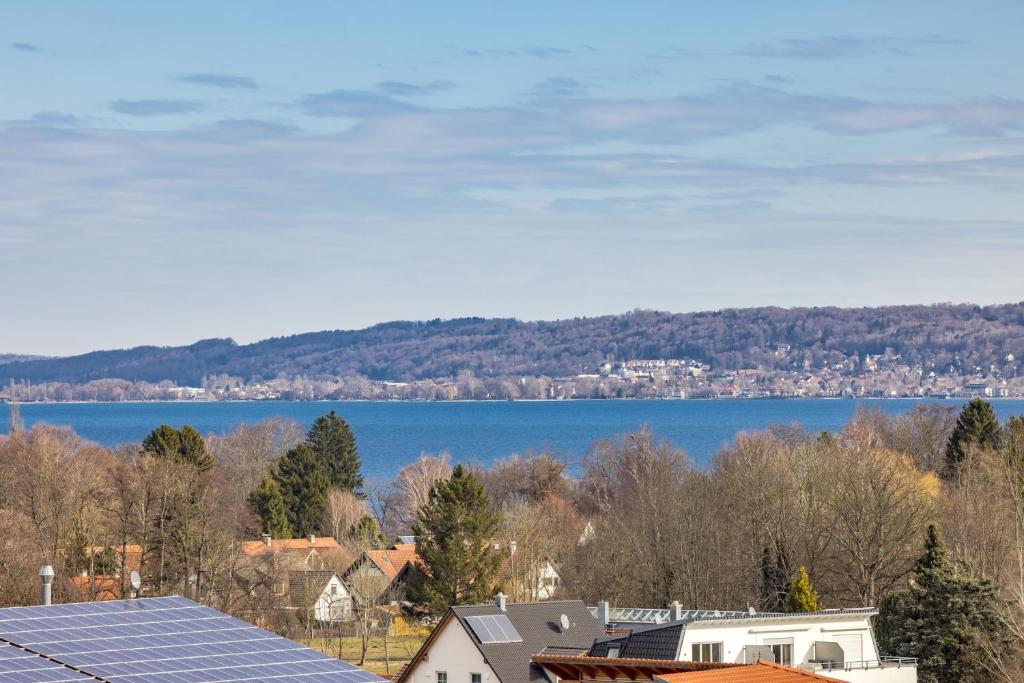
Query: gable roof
[(305, 587), (320, 544), (393, 560), (538, 626), (762, 672)]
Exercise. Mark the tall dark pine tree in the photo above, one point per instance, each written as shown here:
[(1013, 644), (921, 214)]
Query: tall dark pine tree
[(947, 619), (304, 484), (183, 445), (977, 426), (453, 532), (332, 440), (268, 503)]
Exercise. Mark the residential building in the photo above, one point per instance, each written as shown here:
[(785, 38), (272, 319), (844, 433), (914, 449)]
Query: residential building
[(495, 643), (382, 575), (322, 593), (838, 642), (268, 562)]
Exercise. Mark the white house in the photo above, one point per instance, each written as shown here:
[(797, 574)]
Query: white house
[(839, 643), (494, 643), (321, 592)]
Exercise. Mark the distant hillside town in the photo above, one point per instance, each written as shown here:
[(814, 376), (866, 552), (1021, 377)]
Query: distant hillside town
[(896, 351), (885, 375)]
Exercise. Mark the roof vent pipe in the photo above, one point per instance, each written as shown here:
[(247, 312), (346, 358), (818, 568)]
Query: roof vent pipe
[(46, 581), (602, 614), (499, 600)]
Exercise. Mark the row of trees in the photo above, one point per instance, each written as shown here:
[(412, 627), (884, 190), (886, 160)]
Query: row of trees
[(640, 525)]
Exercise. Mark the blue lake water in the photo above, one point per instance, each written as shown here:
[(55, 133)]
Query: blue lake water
[(391, 434)]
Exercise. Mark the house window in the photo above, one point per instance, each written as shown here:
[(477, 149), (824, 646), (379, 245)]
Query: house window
[(613, 651), (782, 650), (475, 678), (334, 590), (442, 677), (707, 652)]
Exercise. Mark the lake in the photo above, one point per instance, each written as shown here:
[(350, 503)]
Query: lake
[(391, 434)]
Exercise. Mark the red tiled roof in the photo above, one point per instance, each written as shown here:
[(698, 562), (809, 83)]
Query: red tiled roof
[(89, 588), (132, 554), (762, 672), (320, 544), (393, 560)]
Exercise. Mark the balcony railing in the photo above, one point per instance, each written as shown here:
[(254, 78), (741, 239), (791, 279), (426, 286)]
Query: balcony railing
[(883, 663)]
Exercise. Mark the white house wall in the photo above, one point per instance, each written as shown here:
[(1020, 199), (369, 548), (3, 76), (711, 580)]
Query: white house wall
[(336, 607), (455, 652), (735, 636)]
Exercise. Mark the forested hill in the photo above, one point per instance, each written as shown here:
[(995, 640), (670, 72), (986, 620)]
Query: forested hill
[(966, 336)]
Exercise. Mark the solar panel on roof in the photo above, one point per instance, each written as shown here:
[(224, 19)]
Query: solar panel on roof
[(18, 665), (494, 628), (164, 639)]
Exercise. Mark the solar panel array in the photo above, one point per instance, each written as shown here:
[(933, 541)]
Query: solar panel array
[(170, 640), (18, 665), (494, 628)]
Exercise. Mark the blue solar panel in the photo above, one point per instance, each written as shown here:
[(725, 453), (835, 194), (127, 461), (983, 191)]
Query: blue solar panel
[(18, 665), (168, 640)]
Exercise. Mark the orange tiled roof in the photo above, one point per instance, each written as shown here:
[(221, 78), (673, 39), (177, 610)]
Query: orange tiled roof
[(132, 554), (393, 560), (88, 588), (320, 544), (762, 672)]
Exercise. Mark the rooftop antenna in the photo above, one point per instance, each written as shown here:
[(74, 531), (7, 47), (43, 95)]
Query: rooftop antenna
[(563, 621), (46, 580), (136, 582)]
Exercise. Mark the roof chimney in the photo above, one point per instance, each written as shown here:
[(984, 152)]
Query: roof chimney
[(602, 614), (46, 581), (312, 539), (677, 611), (512, 545), (499, 600), (267, 540)]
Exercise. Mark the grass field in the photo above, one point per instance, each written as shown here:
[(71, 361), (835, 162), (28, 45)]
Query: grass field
[(401, 649)]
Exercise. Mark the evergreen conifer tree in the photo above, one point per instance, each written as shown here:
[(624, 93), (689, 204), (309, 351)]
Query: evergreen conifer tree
[(802, 596), (366, 533), (332, 440), (304, 484), (978, 426), (943, 619), (268, 503), (184, 446), (453, 532)]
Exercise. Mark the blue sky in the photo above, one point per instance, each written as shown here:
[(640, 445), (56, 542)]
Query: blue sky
[(176, 171)]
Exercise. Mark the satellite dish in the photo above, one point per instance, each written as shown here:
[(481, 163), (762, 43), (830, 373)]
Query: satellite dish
[(136, 582), (751, 611), (563, 621)]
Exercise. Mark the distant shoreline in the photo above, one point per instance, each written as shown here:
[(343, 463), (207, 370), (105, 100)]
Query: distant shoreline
[(5, 402)]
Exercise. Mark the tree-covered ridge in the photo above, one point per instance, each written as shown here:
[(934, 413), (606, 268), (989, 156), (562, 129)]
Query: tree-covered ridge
[(938, 336)]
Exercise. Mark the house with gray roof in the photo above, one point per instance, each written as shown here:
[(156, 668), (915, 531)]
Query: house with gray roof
[(494, 643)]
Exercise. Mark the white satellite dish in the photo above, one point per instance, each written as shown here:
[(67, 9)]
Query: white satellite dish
[(563, 621), (751, 611), (136, 582)]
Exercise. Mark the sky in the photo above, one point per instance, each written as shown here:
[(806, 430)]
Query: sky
[(171, 172)]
